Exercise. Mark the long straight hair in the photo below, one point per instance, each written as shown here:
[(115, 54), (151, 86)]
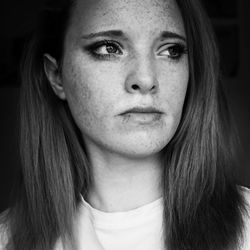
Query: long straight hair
[(203, 207)]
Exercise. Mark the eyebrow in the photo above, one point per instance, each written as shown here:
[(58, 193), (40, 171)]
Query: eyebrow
[(120, 34)]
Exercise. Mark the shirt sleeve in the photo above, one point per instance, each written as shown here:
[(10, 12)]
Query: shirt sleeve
[(246, 241), (3, 237)]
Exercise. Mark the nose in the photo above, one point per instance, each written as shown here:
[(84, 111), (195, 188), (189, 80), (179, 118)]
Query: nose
[(142, 77)]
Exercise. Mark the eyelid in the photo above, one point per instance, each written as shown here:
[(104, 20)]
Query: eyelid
[(172, 44), (105, 42), (180, 46), (94, 47)]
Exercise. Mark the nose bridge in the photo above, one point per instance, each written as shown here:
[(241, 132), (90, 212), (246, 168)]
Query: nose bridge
[(142, 74), (145, 67)]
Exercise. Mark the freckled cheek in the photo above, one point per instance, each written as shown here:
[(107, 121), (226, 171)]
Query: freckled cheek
[(88, 101), (173, 91), (174, 86)]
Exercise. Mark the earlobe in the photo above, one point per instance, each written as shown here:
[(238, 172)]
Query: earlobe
[(52, 72)]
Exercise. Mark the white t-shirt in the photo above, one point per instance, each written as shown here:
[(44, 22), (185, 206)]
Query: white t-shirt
[(137, 229)]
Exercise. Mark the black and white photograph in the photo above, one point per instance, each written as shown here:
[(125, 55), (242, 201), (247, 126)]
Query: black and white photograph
[(125, 125)]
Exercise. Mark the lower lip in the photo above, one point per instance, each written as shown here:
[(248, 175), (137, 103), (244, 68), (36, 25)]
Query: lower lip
[(142, 118)]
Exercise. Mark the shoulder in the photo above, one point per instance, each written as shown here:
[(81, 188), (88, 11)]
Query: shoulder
[(3, 237), (246, 195), (246, 217), (3, 230)]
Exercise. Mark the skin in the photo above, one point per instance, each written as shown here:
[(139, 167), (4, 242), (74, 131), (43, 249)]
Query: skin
[(123, 150)]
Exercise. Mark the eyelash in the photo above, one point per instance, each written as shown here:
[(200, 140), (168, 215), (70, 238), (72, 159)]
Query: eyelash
[(94, 47), (178, 48)]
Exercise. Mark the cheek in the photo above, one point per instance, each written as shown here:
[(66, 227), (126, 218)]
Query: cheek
[(83, 96), (175, 93), (174, 87)]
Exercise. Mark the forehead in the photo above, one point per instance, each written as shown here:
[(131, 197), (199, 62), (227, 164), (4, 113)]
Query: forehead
[(133, 15)]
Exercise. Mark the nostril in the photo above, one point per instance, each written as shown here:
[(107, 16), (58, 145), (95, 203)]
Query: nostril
[(135, 87)]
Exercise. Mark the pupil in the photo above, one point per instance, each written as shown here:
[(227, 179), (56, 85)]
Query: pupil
[(111, 49), (173, 51)]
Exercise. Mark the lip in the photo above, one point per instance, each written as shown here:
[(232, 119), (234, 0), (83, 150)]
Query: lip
[(140, 110)]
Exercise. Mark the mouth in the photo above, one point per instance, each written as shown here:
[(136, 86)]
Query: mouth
[(142, 115), (142, 110)]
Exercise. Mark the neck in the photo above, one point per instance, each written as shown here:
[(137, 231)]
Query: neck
[(122, 184)]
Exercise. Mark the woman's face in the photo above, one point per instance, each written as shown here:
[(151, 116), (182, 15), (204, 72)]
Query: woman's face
[(125, 74)]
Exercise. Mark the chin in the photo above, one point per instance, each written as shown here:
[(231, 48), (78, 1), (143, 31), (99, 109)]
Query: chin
[(141, 147), (145, 140)]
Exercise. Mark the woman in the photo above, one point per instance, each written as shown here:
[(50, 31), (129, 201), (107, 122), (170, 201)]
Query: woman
[(126, 140)]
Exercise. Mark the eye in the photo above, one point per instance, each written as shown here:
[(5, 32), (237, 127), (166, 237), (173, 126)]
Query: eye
[(108, 49), (173, 51), (104, 49)]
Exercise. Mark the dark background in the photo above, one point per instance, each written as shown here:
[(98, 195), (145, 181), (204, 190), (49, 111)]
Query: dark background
[(230, 18)]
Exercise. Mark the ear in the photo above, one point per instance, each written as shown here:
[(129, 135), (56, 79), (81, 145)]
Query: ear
[(52, 72)]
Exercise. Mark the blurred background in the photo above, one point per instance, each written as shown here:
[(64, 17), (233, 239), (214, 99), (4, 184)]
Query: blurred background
[(230, 18)]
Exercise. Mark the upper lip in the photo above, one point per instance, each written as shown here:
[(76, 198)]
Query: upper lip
[(142, 110)]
